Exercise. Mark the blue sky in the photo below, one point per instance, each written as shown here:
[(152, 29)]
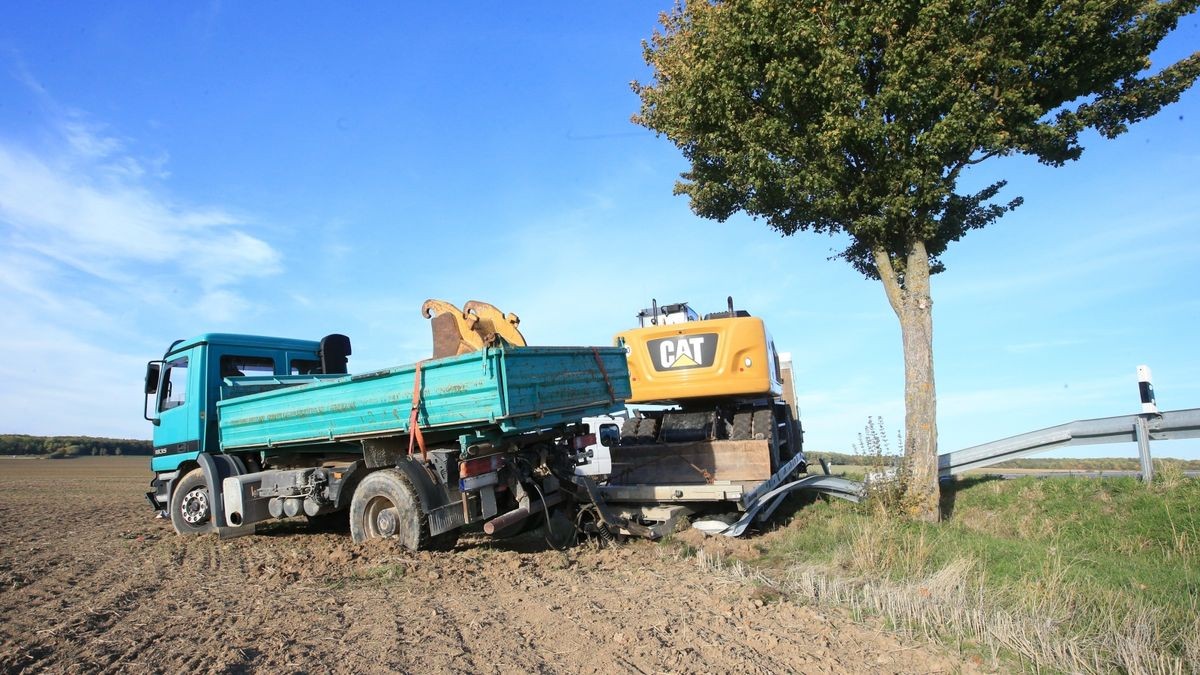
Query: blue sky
[(299, 169)]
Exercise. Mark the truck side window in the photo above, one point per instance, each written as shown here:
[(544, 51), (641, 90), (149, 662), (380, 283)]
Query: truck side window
[(174, 384), (305, 367), (610, 435), (242, 366)]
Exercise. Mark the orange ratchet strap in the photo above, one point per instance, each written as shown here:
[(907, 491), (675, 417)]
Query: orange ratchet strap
[(414, 428)]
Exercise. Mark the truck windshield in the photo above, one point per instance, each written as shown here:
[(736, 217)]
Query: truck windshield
[(174, 384)]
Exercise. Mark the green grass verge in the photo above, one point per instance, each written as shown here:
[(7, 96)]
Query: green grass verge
[(1111, 563)]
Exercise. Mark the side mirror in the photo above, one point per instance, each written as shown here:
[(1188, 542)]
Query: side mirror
[(150, 405), (152, 372), (334, 350)]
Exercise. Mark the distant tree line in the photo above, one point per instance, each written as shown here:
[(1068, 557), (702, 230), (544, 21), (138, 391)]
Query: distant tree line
[(71, 446), (814, 458)]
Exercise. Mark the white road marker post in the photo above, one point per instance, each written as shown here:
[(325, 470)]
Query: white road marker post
[(1149, 409)]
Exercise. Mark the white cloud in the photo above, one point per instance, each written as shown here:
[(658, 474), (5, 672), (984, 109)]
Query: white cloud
[(93, 253), (87, 206), (60, 383)]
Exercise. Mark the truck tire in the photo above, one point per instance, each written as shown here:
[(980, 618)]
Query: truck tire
[(765, 429), (386, 505), (789, 436), (191, 512)]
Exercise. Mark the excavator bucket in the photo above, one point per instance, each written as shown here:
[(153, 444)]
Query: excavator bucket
[(494, 323), (477, 325), (453, 329)]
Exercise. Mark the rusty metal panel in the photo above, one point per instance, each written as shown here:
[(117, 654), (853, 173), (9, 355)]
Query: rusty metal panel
[(702, 462), (508, 391), (446, 336)]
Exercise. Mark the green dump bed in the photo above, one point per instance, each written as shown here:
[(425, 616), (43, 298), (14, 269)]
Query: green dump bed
[(500, 390)]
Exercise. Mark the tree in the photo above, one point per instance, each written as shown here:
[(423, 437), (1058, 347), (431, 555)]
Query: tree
[(859, 117)]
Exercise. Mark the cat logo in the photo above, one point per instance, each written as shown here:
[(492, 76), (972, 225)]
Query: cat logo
[(683, 351)]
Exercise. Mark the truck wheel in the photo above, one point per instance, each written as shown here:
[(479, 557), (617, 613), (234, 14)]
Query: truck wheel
[(386, 506), (190, 511), (764, 428), (648, 431), (789, 439)]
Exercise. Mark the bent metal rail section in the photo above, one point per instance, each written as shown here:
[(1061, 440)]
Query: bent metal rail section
[(1167, 425)]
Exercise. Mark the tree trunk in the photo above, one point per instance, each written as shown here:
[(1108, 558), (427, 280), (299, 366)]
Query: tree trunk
[(909, 296)]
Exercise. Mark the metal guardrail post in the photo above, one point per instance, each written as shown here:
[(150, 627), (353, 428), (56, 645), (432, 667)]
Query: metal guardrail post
[(1149, 409), (1143, 441)]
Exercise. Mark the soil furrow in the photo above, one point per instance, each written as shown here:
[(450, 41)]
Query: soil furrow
[(119, 592)]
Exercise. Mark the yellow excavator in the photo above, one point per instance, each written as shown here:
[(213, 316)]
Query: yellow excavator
[(710, 416)]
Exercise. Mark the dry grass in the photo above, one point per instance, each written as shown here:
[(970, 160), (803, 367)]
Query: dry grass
[(952, 606), (1063, 574)]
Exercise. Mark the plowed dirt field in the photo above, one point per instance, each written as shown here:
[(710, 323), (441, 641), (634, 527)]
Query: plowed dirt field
[(90, 581)]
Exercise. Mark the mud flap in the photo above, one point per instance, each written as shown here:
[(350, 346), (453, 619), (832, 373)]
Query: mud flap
[(216, 469), (443, 515)]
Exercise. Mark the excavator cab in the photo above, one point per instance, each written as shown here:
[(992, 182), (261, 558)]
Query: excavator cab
[(654, 315)]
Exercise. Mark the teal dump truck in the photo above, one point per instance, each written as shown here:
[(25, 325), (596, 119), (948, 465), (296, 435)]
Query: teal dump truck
[(248, 429)]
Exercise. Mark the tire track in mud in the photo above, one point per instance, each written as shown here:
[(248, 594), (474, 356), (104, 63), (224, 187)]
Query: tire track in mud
[(80, 577), (123, 594), (81, 610)]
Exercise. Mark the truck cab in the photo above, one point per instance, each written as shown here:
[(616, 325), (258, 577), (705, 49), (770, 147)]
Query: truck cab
[(183, 387)]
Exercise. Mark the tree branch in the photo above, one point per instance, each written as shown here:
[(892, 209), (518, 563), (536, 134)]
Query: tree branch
[(887, 274), (959, 166)]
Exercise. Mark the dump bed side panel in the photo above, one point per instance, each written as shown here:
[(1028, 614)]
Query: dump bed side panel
[(550, 385), (510, 390)]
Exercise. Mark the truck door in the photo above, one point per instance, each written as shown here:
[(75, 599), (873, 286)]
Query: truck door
[(177, 435)]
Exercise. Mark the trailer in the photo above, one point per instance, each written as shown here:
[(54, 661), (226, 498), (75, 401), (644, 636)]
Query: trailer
[(249, 429)]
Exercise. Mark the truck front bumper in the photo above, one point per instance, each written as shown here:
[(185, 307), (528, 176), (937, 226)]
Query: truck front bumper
[(160, 490)]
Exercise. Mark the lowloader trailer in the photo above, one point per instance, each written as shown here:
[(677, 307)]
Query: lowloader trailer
[(248, 429)]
